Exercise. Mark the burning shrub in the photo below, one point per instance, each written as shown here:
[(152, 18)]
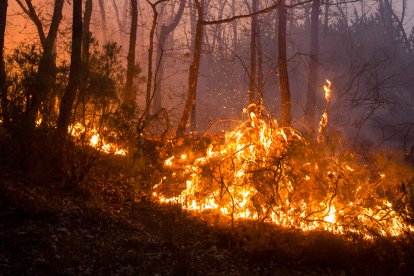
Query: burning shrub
[(265, 172)]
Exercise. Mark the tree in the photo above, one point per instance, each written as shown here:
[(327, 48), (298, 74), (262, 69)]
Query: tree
[(129, 97), (313, 64), (103, 21), (3, 84), (253, 55), (86, 40), (193, 72), (155, 14), (164, 33), (75, 71), (283, 67), (45, 76)]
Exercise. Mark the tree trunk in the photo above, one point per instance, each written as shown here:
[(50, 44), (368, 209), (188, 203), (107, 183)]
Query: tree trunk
[(150, 55), (75, 71), (313, 64), (129, 97), (45, 75), (103, 21), (86, 37), (3, 84), (234, 25), (260, 74), (253, 56), (283, 67), (165, 31), (119, 21), (193, 73)]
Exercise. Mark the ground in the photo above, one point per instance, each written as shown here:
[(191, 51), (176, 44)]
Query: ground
[(47, 228)]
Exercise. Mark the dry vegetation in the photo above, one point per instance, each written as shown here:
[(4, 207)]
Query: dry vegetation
[(100, 215)]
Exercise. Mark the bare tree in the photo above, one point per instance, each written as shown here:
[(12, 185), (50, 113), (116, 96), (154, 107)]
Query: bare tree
[(3, 84), (313, 64), (129, 97), (46, 70), (194, 68), (75, 71), (283, 66), (155, 14), (164, 33)]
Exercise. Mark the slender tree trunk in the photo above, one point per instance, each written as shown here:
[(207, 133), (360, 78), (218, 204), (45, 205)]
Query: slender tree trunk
[(75, 71), (150, 56), (313, 64), (193, 73), (165, 31), (86, 37), (3, 84), (283, 68), (253, 56), (103, 21), (129, 98), (260, 74), (234, 25), (119, 21)]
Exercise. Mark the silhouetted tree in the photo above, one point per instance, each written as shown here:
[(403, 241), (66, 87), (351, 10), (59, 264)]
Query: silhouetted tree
[(193, 72), (164, 33), (283, 66), (3, 85), (129, 97), (69, 95), (253, 55), (86, 41), (313, 64), (45, 76)]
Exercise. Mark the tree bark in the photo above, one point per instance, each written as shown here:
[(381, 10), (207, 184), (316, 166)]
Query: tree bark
[(165, 31), (129, 97), (3, 83), (75, 71), (283, 68), (193, 72), (313, 64)]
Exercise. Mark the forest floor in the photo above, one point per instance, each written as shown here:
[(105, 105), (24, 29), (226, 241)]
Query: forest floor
[(47, 229)]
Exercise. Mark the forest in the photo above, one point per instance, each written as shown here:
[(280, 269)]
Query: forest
[(207, 137)]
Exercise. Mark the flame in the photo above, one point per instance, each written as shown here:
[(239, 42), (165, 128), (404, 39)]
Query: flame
[(78, 131), (264, 172)]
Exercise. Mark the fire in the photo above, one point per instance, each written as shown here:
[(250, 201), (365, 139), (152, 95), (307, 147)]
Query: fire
[(94, 140), (324, 120), (263, 172)]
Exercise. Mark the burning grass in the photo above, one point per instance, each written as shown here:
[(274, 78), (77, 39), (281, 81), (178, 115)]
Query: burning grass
[(263, 172)]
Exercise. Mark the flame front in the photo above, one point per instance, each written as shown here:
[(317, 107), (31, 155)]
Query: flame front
[(264, 172)]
